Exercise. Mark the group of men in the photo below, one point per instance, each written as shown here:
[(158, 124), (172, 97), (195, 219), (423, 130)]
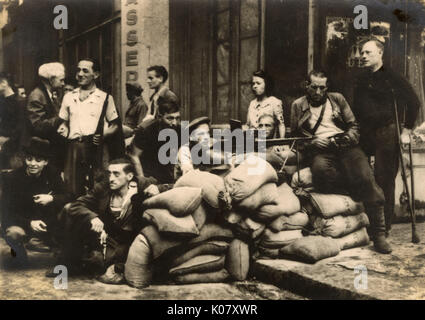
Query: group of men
[(105, 187), (75, 167)]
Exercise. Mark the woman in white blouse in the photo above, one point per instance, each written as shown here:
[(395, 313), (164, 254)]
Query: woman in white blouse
[(264, 103)]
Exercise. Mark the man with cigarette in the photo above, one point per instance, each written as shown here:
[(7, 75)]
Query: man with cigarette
[(101, 225), (32, 197)]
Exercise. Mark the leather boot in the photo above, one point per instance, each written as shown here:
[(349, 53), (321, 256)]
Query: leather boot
[(378, 229)]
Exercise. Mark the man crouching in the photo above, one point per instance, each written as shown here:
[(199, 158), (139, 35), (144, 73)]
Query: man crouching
[(33, 195), (101, 225)]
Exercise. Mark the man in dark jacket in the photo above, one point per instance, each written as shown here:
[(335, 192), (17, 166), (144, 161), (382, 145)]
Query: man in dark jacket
[(32, 197), (110, 215), (43, 109), (375, 93), (336, 160)]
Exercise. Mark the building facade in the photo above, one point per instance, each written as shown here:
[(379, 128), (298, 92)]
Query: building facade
[(212, 47)]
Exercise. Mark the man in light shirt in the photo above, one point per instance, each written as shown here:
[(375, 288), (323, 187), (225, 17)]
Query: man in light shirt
[(336, 159), (90, 117)]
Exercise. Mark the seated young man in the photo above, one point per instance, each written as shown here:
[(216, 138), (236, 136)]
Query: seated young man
[(198, 152), (101, 225), (32, 197)]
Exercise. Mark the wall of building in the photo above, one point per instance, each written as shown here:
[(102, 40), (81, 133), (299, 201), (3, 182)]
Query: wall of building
[(145, 41)]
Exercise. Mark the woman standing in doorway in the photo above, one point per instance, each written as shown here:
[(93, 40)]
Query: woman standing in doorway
[(264, 103)]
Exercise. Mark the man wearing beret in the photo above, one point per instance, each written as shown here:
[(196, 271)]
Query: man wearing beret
[(198, 152), (33, 195)]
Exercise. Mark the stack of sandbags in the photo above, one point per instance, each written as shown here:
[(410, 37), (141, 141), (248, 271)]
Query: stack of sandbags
[(284, 221), (251, 185), (183, 242), (263, 213), (339, 217), (212, 261)]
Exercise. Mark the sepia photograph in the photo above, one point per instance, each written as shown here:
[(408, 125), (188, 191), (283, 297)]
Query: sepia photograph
[(246, 151)]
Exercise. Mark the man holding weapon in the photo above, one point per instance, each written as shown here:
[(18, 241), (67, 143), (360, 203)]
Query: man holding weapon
[(336, 160), (89, 118), (386, 107)]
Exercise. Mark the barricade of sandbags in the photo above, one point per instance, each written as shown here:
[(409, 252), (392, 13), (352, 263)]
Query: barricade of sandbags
[(339, 217), (215, 255)]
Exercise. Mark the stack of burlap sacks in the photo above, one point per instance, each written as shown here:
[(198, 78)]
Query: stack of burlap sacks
[(187, 241), (207, 228), (336, 222)]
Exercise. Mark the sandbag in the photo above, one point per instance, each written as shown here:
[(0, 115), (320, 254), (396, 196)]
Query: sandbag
[(237, 260), (339, 226), (266, 194), (356, 239), (162, 243), (287, 203), (166, 222), (249, 228), (207, 248), (210, 277), (310, 249), (272, 239), (210, 184), (179, 201), (250, 175), (199, 264), (304, 181), (200, 216), (268, 252), (296, 221), (138, 267), (331, 205)]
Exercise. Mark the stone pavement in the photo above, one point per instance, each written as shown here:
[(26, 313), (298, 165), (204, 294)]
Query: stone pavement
[(30, 283), (399, 275)]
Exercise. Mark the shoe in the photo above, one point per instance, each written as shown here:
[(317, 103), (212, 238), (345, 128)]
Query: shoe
[(19, 257), (37, 245), (381, 245), (377, 228), (111, 276)]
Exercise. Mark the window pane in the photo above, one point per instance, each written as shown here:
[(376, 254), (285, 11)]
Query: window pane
[(223, 26), (245, 99), (249, 58), (223, 63), (223, 99), (249, 17)]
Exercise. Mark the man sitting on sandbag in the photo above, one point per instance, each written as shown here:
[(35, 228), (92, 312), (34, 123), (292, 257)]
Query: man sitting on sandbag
[(336, 160), (101, 225)]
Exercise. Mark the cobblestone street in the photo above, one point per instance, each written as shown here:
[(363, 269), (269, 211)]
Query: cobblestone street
[(30, 283)]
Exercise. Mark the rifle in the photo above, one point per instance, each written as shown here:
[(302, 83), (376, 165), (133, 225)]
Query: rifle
[(410, 200)]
